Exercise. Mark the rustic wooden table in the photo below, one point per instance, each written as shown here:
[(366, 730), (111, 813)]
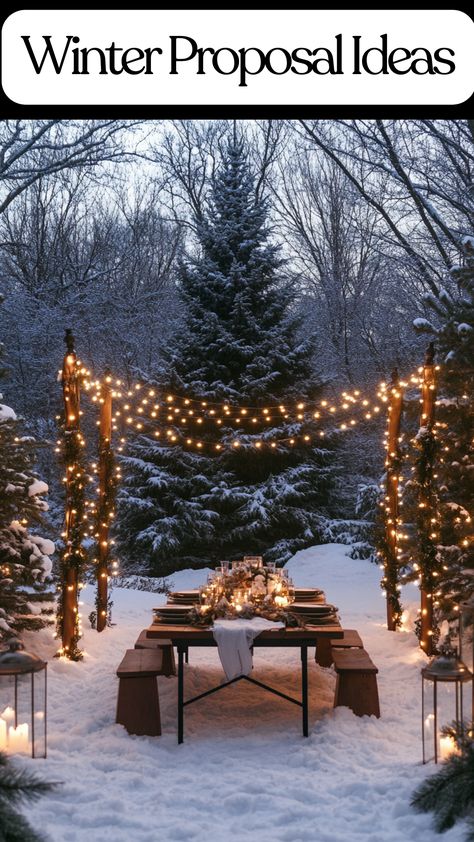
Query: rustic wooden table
[(185, 636)]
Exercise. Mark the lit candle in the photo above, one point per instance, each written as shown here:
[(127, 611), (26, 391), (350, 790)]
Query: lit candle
[(3, 735), (429, 721), (18, 739), (8, 714), (281, 601), (447, 747)]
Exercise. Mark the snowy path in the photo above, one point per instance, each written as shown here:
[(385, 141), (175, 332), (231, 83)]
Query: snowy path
[(244, 769)]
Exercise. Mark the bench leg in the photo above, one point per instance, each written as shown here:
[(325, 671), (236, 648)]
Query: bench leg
[(304, 689), (181, 655), (168, 663), (138, 706), (359, 692), (323, 652)]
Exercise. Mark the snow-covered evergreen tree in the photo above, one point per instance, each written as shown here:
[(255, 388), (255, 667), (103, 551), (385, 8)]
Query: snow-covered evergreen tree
[(453, 326), (239, 346), (24, 557)]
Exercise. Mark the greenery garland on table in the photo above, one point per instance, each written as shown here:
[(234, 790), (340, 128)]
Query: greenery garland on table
[(205, 615), (250, 577)]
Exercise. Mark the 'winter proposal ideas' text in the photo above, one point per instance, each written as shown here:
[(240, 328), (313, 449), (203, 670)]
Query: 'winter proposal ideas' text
[(358, 56)]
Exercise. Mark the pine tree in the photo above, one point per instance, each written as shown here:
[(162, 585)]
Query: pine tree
[(24, 557), (453, 326), (17, 786), (186, 503)]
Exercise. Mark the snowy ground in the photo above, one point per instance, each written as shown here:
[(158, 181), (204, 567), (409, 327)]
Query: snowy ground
[(244, 769)]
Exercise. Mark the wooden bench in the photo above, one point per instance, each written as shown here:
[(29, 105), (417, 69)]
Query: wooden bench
[(138, 703), (356, 684), (324, 647), (169, 663), (351, 640)]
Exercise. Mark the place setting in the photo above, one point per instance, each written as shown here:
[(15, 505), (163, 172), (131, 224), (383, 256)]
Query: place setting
[(244, 589), (314, 614)]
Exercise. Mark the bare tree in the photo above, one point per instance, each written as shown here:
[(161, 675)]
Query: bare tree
[(103, 261), (33, 149), (427, 169), (351, 280)]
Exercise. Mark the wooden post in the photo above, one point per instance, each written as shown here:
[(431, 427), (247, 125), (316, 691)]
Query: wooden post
[(428, 392), (105, 481), (395, 408), (72, 533)]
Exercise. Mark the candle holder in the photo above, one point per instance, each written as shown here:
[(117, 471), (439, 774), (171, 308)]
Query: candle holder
[(448, 677), (23, 711)]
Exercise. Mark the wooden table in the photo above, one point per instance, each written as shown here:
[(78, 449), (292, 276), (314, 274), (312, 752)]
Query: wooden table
[(185, 636)]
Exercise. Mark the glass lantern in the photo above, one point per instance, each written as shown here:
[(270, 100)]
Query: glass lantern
[(23, 713), (445, 681)]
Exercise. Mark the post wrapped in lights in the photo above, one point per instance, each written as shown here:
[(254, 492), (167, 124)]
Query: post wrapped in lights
[(105, 506), (73, 555), (390, 580), (427, 510)]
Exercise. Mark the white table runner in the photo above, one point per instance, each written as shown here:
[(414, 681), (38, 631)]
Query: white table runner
[(234, 639)]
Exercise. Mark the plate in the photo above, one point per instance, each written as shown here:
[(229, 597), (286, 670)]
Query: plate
[(183, 602), (313, 608), (171, 621), (322, 621), (171, 616), (171, 607)]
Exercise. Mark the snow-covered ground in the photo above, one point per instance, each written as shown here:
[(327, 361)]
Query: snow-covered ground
[(244, 770)]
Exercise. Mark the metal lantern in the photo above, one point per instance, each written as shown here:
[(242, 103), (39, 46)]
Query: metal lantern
[(448, 677), (23, 686)]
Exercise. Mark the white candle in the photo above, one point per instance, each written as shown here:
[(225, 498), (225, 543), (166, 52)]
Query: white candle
[(281, 601), (447, 747), (3, 735), (8, 714), (18, 739)]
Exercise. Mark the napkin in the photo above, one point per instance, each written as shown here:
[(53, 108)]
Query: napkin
[(234, 639)]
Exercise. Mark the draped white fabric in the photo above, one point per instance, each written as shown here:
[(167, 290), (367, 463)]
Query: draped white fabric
[(234, 639)]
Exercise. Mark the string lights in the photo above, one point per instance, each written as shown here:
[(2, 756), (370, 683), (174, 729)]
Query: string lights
[(214, 427), (204, 425), (140, 401)]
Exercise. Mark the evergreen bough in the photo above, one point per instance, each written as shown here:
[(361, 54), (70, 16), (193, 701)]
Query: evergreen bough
[(24, 557), (449, 793), (453, 328), (17, 787)]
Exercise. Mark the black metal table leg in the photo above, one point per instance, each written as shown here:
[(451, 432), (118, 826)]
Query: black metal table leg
[(181, 653), (304, 687), (187, 655)]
